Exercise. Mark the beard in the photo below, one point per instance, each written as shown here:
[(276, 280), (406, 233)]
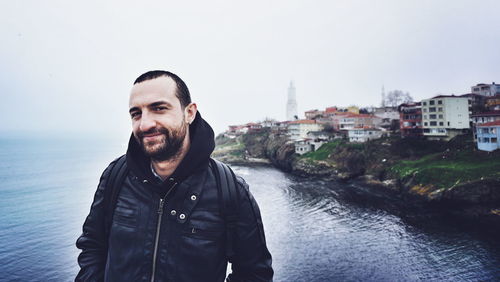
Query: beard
[(169, 145)]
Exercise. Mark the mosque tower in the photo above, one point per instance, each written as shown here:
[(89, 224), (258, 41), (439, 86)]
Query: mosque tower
[(383, 97), (291, 105)]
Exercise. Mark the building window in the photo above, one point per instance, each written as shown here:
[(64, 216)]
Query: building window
[(448, 123), (494, 140), (431, 102), (440, 109), (425, 116), (432, 110), (441, 123), (440, 116), (432, 116), (433, 123), (425, 123), (440, 102), (424, 103), (425, 110)]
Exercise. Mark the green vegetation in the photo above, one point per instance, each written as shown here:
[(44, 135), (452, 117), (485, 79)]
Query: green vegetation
[(323, 152), (447, 169)]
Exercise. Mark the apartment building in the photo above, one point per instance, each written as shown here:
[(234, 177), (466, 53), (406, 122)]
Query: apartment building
[(444, 117)]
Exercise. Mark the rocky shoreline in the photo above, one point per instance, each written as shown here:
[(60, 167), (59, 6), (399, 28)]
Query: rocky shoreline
[(476, 201)]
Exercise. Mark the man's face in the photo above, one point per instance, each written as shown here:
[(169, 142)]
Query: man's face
[(159, 122)]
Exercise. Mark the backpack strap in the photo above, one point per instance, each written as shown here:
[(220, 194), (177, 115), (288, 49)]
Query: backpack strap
[(112, 190), (226, 189)]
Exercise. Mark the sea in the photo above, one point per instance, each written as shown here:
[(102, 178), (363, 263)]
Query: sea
[(316, 230)]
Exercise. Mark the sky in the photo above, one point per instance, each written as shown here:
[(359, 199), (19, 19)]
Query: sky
[(67, 67)]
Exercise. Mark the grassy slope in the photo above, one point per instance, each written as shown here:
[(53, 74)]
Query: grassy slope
[(446, 170), (458, 164)]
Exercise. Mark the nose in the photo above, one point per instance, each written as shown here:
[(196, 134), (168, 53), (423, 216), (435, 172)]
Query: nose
[(146, 123)]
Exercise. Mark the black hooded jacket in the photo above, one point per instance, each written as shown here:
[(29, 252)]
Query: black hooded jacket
[(172, 230)]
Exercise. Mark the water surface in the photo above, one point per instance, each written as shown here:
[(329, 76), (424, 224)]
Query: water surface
[(316, 230)]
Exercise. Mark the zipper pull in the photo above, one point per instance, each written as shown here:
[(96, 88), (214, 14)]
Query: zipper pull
[(160, 207)]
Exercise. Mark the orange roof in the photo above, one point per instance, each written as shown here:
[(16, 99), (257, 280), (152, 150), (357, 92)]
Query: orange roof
[(303, 121), (492, 123)]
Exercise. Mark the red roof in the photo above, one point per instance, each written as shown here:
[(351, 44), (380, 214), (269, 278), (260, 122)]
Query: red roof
[(492, 123), (331, 109), (303, 121), (492, 113), (358, 115)]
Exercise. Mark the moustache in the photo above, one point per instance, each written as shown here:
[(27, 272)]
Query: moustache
[(153, 131)]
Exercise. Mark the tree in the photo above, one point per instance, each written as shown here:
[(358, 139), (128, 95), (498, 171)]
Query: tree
[(397, 97)]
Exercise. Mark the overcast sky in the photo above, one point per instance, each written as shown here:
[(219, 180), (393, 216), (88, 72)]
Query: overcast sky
[(68, 68)]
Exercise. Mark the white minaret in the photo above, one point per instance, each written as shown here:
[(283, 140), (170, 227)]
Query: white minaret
[(291, 105), (383, 97)]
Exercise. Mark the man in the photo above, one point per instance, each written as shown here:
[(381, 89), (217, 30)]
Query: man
[(167, 224)]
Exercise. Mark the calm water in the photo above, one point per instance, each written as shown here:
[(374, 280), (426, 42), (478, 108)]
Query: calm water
[(316, 230)]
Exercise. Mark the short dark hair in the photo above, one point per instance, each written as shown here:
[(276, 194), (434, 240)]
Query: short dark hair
[(182, 92)]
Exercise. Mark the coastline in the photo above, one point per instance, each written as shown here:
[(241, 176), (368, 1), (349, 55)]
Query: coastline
[(474, 201)]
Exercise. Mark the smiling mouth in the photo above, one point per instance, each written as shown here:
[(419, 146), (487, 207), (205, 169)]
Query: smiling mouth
[(151, 137)]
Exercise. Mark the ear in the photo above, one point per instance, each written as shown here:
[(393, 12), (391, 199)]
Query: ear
[(190, 112)]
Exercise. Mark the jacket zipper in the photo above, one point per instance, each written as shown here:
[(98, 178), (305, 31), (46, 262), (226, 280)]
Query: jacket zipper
[(158, 228)]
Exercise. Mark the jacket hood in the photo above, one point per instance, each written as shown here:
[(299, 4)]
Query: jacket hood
[(197, 158)]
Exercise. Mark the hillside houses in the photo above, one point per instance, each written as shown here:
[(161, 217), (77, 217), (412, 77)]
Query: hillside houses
[(440, 117)]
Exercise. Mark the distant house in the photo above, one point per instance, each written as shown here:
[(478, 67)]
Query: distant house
[(235, 130), (253, 127), (298, 129), (302, 146), (488, 136), (482, 118), (307, 145), (410, 119), (268, 123), (360, 135), (445, 116), (314, 114), (386, 112), (348, 121), (484, 89)]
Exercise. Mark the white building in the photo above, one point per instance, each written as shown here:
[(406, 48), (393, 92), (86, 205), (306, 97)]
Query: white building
[(488, 136), (444, 117), (291, 105), (298, 129), (488, 90), (307, 145), (361, 135)]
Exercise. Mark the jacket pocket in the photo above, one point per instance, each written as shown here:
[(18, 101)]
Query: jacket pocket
[(125, 216), (204, 232)]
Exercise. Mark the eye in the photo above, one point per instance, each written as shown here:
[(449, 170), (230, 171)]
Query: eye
[(159, 108), (135, 115)]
